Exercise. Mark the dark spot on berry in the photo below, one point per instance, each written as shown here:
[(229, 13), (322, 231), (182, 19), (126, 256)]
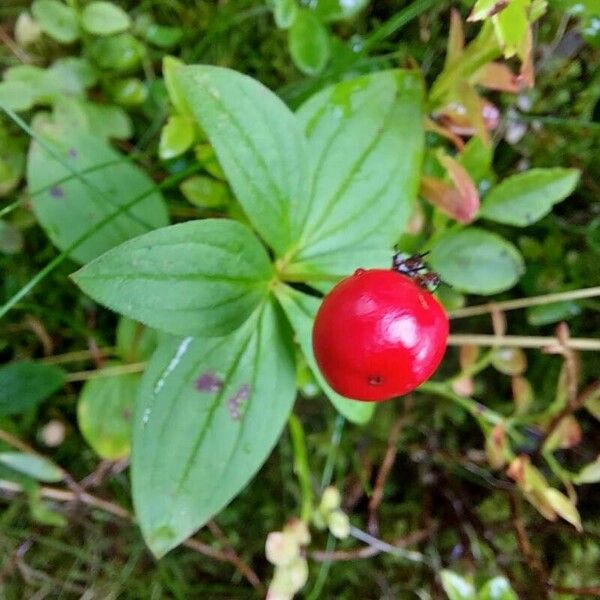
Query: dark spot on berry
[(375, 380), (56, 191), (209, 382), (359, 271)]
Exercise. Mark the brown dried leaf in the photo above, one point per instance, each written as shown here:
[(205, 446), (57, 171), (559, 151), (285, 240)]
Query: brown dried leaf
[(497, 76)]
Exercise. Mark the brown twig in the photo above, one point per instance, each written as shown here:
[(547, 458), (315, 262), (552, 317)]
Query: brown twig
[(384, 470), (534, 564), (576, 591), (67, 496), (242, 567), (368, 551), (14, 48)]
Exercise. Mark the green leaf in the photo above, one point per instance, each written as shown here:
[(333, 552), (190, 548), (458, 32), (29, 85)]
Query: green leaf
[(476, 261), (135, 342), (163, 36), (128, 92), (200, 278), (104, 414), (205, 192), (456, 586), (301, 310), (16, 95), (564, 506), (104, 18), (259, 145), (284, 12), (34, 466), (170, 67), (590, 473), (366, 145), (25, 384), (338, 10), (103, 120), (67, 207), (75, 74), (207, 416), (121, 53), (57, 20), (176, 136), (309, 42), (547, 314), (498, 588), (592, 403), (476, 158), (525, 198), (511, 26)]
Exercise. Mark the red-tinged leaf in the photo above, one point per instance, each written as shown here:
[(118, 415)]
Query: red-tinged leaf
[(495, 445), (526, 77), (445, 198), (464, 186), (474, 107), (522, 394), (484, 9), (456, 39), (496, 76), (444, 132), (566, 435)]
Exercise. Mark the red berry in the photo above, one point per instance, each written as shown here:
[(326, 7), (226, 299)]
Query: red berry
[(378, 335)]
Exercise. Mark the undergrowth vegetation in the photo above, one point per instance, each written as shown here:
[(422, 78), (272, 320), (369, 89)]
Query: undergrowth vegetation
[(181, 183)]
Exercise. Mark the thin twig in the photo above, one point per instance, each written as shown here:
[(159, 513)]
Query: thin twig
[(576, 591), (382, 546), (106, 372), (367, 551), (242, 567), (384, 470), (483, 309), (535, 566), (14, 48), (520, 341)]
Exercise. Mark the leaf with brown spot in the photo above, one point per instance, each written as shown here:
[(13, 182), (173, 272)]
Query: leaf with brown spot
[(497, 76)]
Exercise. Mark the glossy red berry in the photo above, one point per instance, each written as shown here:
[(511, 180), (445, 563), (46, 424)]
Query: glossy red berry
[(378, 335)]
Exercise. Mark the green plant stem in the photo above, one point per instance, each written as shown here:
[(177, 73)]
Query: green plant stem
[(482, 414), (520, 341), (475, 368), (483, 309), (9, 208), (113, 371), (336, 438), (315, 593), (169, 182), (301, 466), (397, 22)]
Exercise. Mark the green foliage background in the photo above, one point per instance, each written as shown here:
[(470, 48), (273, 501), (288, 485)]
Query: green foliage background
[(443, 488)]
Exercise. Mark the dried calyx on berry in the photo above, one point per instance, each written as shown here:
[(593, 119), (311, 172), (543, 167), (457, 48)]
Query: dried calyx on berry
[(415, 267)]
